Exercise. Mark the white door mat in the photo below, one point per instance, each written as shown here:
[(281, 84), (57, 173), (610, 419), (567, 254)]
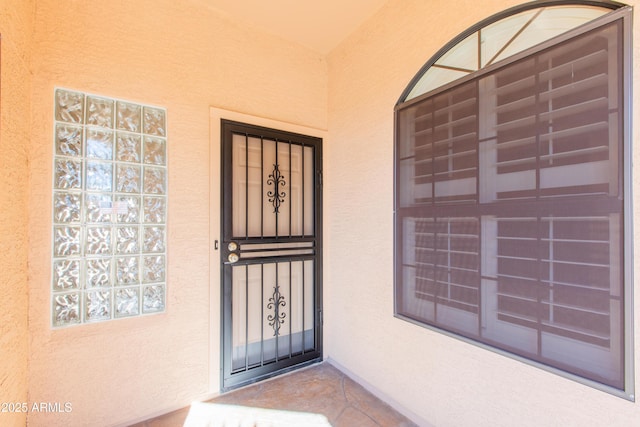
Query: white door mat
[(216, 415)]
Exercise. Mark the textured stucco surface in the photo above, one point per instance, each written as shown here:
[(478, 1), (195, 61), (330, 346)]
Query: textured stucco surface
[(442, 380), (16, 23), (185, 57)]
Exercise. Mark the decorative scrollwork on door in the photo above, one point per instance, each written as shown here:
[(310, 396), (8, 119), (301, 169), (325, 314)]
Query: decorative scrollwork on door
[(277, 318), (275, 197)]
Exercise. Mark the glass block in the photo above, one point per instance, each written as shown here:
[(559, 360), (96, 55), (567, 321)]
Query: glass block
[(99, 144), (128, 147), (155, 151), (128, 179), (66, 309), (69, 106), (153, 268), (66, 207), (68, 174), (154, 121), (127, 271), (110, 178), (98, 241), (128, 116), (97, 305), (68, 140), (66, 274), (98, 208), (155, 209), (153, 239), (155, 181), (66, 241), (99, 112), (99, 176), (153, 299), (98, 273), (128, 209), (127, 240), (127, 302)]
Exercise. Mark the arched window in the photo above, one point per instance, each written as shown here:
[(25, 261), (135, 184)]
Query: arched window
[(512, 190), (501, 36)]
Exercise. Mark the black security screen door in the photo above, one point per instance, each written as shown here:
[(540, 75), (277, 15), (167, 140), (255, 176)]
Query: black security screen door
[(271, 252)]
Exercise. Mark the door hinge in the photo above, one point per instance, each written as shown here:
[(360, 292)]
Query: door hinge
[(319, 178), (321, 318)]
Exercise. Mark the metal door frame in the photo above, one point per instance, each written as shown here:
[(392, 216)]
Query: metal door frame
[(229, 380)]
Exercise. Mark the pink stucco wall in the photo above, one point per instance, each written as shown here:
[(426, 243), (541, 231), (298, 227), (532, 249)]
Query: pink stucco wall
[(16, 24), (184, 57), (444, 381)]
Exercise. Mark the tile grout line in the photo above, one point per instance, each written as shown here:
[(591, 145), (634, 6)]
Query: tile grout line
[(349, 404)]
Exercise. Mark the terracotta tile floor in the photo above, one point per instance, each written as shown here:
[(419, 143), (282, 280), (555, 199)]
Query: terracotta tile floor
[(319, 389)]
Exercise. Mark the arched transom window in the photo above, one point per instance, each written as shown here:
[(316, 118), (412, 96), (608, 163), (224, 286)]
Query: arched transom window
[(500, 37)]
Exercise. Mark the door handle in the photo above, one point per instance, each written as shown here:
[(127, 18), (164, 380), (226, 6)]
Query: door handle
[(230, 251)]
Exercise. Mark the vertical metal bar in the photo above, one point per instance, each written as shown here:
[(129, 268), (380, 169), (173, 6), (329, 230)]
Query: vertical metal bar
[(246, 190), (290, 190), (479, 47), (552, 261), (303, 199), (433, 151), (477, 146), (316, 302), (540, 228), (261, 314), (246, 317), (316, 226), (276, 302), (290, 304), (540, 224), (481, 314), (315, 183), (434, 271), (227, 166), (277, 188), (227, 318), (261, 187), (448, 259), (304, 290)]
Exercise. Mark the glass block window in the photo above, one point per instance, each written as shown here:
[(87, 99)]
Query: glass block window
[(109, 209), (513, 203)]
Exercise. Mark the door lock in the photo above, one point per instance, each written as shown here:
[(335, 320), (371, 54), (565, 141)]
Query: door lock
[(233, 258)]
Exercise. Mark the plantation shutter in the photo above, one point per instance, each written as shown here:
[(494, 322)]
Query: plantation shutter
[(510, 206)]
